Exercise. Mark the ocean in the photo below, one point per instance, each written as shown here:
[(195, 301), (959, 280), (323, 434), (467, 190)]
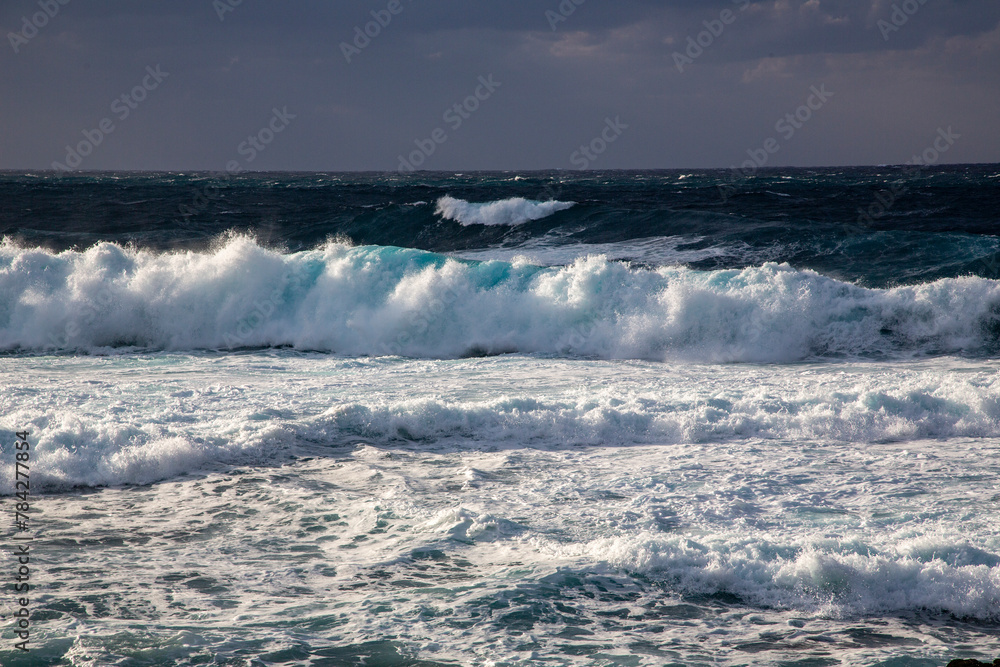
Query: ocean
[(501, 418)]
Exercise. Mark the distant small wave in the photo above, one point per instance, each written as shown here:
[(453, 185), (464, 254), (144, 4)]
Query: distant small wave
[(508, 212)]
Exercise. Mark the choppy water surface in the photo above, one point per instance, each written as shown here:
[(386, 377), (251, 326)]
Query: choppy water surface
[(630, 420)]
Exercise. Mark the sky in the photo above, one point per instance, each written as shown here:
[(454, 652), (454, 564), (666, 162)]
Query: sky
[(470, 84)]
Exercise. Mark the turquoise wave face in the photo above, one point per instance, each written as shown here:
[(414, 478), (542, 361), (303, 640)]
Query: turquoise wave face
[(379, 301)]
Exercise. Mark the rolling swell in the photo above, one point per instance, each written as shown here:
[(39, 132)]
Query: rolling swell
[(378, 301)]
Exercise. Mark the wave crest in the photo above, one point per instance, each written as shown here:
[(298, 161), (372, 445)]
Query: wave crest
[(506, 212)]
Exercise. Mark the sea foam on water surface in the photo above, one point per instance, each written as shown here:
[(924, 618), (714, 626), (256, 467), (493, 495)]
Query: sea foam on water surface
[(198, 411)]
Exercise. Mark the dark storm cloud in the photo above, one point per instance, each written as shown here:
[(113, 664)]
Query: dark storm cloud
[(898, 71)]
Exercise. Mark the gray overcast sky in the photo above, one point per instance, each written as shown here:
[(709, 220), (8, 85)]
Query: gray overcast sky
[(896, 74)]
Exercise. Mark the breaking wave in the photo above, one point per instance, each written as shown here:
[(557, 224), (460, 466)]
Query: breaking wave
[(376, 300)]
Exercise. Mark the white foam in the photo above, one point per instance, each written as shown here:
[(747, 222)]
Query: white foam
[(812, 577), (508, 212), (552, 540), (855, 410), (126, 419)]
